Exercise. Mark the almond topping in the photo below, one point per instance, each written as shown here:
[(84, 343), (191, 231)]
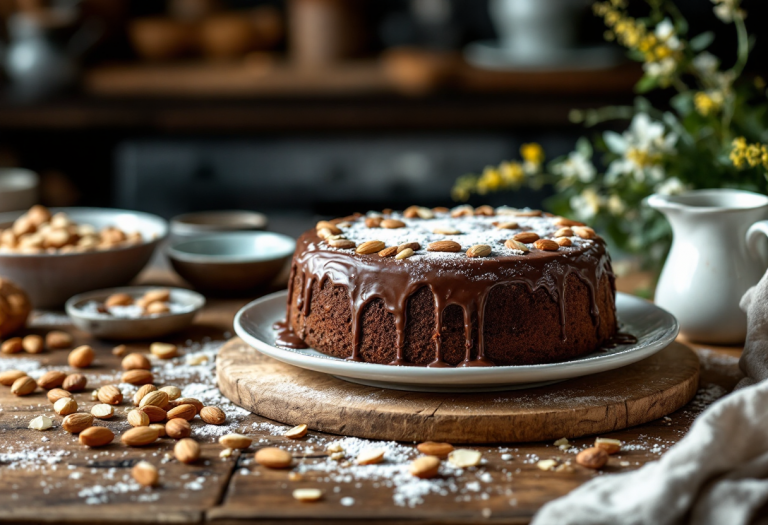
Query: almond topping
[(370, 247), (512, 244), (507, 226), (136, 361), (404, 254), (486, 210), (412, 245), (74, 383), (157, 398), (155, 414), (462, 211), (33, 344), (584, 232), (326, 225), (392, 224), (564, 241), (446, 231), (57, 393), (141, 392), (341, 243), (444, 246), (110, 395), (296, 432), (137, 418), (137, 377), (547, 245), (173, 392), (163, 350), (564, 232), (562, 221), (272, 457), (425, 213), (9, 376), (479, 250), (526, 237), (388, 252), (373, 222), (184, 411), (425, 467), (528, 213), (592, 457)]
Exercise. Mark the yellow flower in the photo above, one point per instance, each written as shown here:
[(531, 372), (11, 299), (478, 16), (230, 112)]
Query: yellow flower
[(490, 180), (532, 153), (753, 155), (708, 102), (743, 153), (512, 173)]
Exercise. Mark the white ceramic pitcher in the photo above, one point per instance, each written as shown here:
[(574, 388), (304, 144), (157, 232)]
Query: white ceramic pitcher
[(717, 254)]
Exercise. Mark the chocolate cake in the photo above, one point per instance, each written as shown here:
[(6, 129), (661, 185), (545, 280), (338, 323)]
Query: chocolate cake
[(461, 287)]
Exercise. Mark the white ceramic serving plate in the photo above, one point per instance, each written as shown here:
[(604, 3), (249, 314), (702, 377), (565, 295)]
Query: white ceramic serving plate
[(653, 327), (109, 327), (51, 279)]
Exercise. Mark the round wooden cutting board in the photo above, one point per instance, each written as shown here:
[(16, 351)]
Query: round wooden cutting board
[(594, 404)]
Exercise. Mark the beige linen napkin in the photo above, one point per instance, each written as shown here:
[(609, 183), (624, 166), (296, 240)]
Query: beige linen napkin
[(716, 475)]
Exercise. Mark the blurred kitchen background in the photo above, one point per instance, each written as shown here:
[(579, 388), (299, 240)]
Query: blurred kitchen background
[(301, 107)]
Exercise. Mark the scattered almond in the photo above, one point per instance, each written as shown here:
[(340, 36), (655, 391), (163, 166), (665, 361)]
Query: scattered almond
[(137, 418), (139, 436), (373, 222), (446, 231), (77, 422), (102, 411), (137, 377), (412, 245), (512, 244), (235, 441), (96, 436), (464, 457), (136, 361), (547, 464), (213, 415), (65, 406), (425, 467), (141, 392), (119, 350), (57, 393), (110, 395), (370, 456), (155, 414), (308, 494), (388, 252), (7, 377), (584, 232), (81, 357), (33, 344), (163, 350), (547, 245), (507, 226), (145, 474), (157, 398), (343, 244), (444, 246), (295, 476), (272, 457), (160, 428), (118, 299), (611, 446), (178, 428), (479, 250), (173, 392), (592, 457), (296, 432), (188, 401), (432, 448), (74, 383), (485, 210), (564, 241), (404, 254), (11, 346), (187, 450), (23, 386), (51, 379), (370, 247), (392, 224), (526, 237), (58, 340), (564, 232), (182, 411)]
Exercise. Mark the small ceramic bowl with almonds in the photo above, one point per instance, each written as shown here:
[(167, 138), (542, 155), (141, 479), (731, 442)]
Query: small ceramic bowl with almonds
[(134, 312), (56, 253), (232, 262)]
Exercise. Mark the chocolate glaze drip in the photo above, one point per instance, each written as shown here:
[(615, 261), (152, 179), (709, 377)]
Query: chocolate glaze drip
[(461, 281)]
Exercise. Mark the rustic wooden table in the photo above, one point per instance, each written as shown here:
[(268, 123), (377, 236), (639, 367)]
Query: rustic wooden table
[(49, 477)]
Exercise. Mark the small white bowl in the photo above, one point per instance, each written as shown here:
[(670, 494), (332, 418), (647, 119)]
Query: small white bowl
[(232, 262), (52, 278), (106, 326)]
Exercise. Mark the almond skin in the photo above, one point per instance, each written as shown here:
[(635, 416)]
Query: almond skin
[(74, 383), (516, 245), (444, 246), (404, 254), (65, 406), (564, 241), (187, 450), (526, 237), (236, 441), (58, 340), (370, 247), (584, 232), (155, 414), (563, 232), (139, 436), (138, 377), (33, 344), (507, 225), (9, 376), (188, 401), (272, 457), (96, 436), (185, 411), (479, 250), (141, 392), (81, 357), (425, 467), (178, 428), (11, 346), (562, 221), (412, 245), (110, 394), (432, 448), (164, 350), (592, 457), (160, 428), (373, 222), (118, 299), (136, 361), (327, 225), (157, 398), (173, 392), (611, 446), (546, 245), (388, 252), (145, 474), (77, 422), (392, 224), (137, 418), (23, 386), (52, 379), (344, 244), (213, 415), (57, 393)]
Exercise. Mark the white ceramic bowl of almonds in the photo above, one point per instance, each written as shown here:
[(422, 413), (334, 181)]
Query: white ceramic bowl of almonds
[(52, 275), (134, 321)]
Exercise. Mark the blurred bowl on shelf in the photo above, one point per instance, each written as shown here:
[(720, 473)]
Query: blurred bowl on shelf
[(184, 305), (233, 262), (18, 189), (161, 38), (226, 36), (52, 278), (190, 225)]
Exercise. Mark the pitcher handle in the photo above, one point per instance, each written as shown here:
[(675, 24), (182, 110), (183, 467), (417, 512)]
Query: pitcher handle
[(754, 234)]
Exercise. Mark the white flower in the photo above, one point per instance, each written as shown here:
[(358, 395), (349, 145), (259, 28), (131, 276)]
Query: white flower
[(671, 186), (642, 148), (663, 68), (576, 166), (665, 32), (615, 205), (727, 10), (586, 205), (706, 63)]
